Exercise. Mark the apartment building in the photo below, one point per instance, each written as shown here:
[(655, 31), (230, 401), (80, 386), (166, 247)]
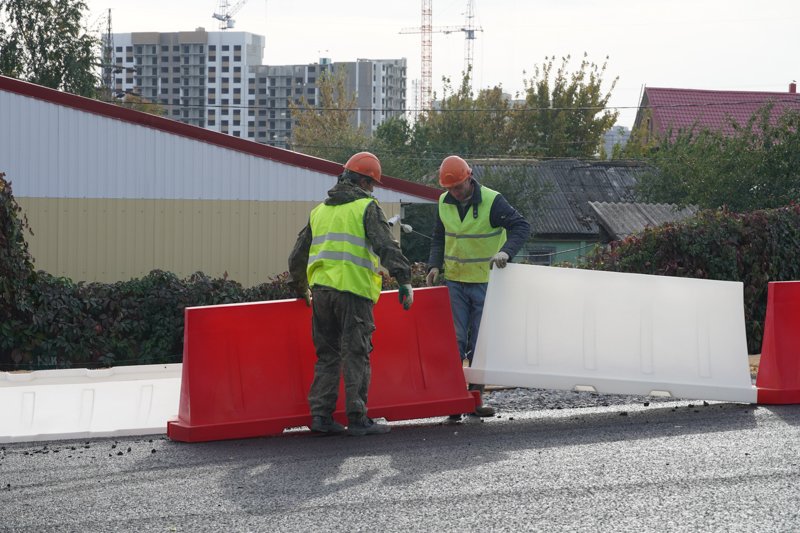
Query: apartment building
[(216, 80)]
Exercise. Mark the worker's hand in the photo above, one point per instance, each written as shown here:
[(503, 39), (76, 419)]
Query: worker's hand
[(500, 259), (430, 279), (307, 297), (406, 296)]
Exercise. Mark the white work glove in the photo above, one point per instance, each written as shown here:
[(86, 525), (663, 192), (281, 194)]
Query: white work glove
[(500, 259), (406, 294), (430, 279)]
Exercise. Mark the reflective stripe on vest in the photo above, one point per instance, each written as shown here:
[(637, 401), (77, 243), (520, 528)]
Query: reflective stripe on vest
[(340, 256), (469, 244)]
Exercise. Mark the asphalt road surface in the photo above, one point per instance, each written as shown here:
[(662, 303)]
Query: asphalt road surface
[(681, 466)]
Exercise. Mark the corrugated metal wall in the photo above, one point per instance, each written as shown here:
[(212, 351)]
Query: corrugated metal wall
[(110, 200)]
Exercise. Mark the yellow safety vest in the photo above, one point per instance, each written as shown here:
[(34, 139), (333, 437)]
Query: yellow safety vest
[(340, 256), (469, 244)]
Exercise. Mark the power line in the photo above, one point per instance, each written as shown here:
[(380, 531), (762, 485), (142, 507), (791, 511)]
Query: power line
[(259, 107)]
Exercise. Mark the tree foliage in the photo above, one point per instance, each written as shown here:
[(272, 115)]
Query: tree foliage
[(326, 131), (564, 114), (757, 167), (44, 42), (561, 114)]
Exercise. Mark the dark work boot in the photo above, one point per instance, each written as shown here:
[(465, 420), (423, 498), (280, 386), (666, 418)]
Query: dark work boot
[(367, 426), (326, 425), (482, 410)]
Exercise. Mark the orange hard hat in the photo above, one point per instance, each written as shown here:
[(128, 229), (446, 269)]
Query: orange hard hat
[(453, 171), (366, 164)]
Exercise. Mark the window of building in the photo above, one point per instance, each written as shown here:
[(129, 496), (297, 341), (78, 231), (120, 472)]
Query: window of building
[(237, 58), (176, 90), (225, 47), (226, 80), (237, 79), (212, 101), (237, 69), (176, 80), (237, 122), (226, 59), (237, 101), (118, 49), (542, 255), (164, 69), (237, 134), (176, 101), (176, 69)]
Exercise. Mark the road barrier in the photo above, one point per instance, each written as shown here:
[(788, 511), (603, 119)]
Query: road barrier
[(247, 368), (574, 329), (82, 403), (778, 378)]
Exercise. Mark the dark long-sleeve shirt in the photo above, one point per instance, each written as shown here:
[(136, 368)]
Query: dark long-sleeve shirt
[(377, 232), (502, 215)]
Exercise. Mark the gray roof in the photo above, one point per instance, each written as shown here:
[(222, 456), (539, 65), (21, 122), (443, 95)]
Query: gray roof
[(569, 186), (623, 219)]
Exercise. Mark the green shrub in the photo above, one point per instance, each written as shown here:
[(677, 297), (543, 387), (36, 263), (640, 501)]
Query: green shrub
[(754, 248)]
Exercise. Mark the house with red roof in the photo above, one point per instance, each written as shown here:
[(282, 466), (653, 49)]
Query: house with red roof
[(664, 110)]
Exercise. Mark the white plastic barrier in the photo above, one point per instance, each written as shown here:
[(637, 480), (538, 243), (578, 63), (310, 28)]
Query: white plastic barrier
[(79, 403), (562, 328)]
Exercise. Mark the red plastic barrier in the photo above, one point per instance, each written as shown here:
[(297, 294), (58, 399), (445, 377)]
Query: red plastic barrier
[(778, 379), (247, 368)]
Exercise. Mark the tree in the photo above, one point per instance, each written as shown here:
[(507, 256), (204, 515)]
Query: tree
[(326, 131), (139, 103), (465, 124), (44, 42), (757, 167), (559, 117)]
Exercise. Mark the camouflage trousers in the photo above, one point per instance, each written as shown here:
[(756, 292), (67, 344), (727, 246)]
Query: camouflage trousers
[(342, 326)]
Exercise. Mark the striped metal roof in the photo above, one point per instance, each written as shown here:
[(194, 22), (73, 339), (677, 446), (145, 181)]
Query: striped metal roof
[(569, 185), (623, 219), (152, 131)]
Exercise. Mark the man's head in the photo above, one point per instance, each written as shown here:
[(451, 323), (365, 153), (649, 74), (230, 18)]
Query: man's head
[(454, 175), (364, 169)]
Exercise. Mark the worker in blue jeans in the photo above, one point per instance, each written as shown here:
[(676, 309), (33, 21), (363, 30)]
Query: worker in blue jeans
[(476, 228)]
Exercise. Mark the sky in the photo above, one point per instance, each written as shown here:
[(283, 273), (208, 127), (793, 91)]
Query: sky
[(744, 45)]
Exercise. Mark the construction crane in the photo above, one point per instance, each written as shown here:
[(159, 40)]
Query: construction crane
[(225, 13), (427, 30)]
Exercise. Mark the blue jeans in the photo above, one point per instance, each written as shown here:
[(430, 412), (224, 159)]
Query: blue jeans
[(466, 302)]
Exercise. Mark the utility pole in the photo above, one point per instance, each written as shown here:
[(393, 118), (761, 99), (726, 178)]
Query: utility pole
[(108, 61)]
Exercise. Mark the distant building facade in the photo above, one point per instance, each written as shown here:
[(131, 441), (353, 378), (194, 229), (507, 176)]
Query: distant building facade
[(216, 80)]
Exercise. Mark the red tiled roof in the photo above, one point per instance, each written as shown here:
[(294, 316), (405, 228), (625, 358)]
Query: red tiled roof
[(681, 109)]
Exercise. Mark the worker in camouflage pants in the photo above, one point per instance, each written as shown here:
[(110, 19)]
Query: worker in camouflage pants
[(334, 266)]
